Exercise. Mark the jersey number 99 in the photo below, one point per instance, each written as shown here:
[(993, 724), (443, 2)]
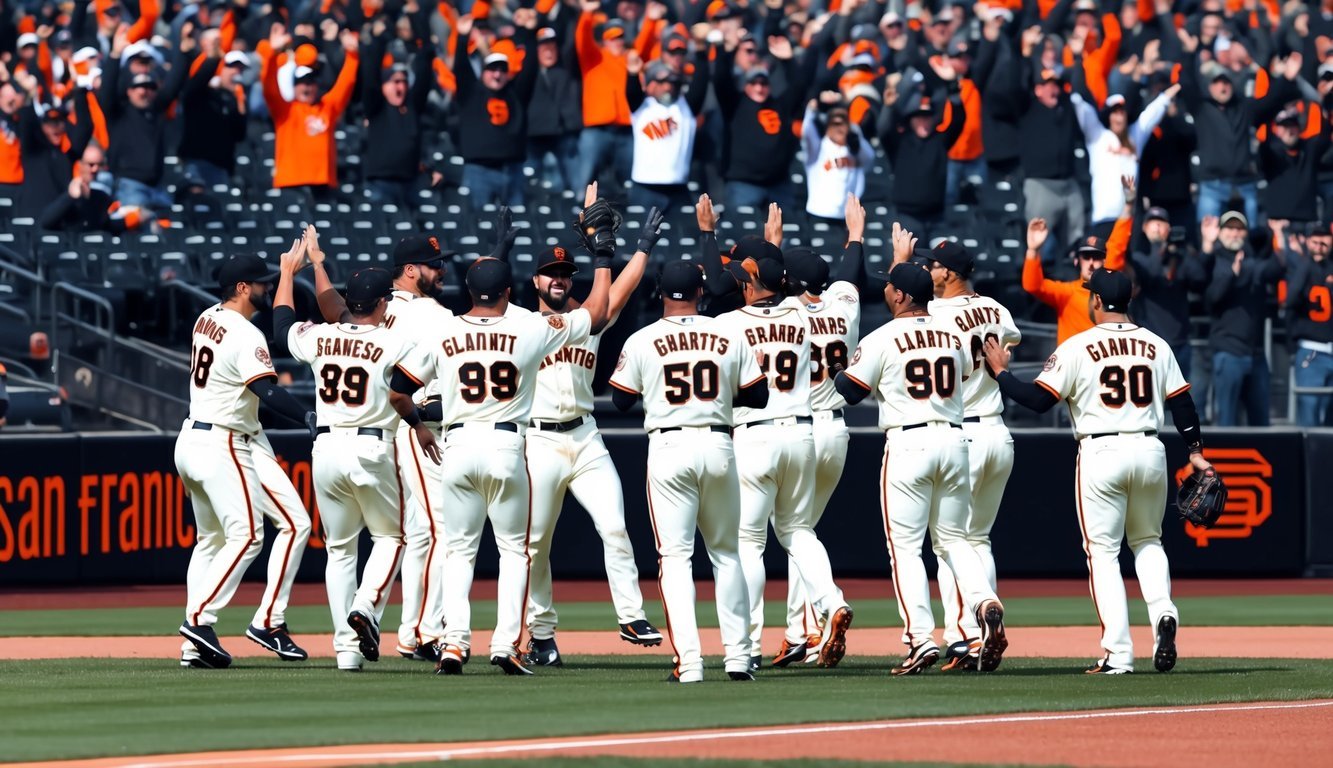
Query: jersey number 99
[(501, 379), (685, 381), (924, 379), (349, 385)]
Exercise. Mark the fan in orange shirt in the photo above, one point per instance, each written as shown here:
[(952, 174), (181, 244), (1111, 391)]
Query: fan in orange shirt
[(1070, 297), (306, 152), (605, 140)]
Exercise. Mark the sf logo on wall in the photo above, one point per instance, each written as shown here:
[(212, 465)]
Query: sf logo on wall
[(1249, 495)]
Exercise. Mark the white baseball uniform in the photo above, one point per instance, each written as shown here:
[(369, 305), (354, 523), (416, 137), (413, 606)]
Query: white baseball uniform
[(215, 461), (834, 327), (915, 366), (990, 447), (355, 464), (486, 369), (423, 560), (1116, 378), (775, 460), (565, 452), (688, 369)]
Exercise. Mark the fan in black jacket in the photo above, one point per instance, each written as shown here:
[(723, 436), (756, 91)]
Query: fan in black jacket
[(916, 138), (213, 113), (1289, 159), (136, 118), (49, 145), (555, 113), (393, 111)]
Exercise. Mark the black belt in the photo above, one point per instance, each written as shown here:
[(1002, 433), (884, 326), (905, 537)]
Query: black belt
[(204, 426), (971, 419), (927, 424), (1149, 433), (503, 426), (837, 413), (366, 431), (712, 428), (769, 422), (559, 426)]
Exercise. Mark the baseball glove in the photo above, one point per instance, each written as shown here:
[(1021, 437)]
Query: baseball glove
[(596, 228), (1201, 498)]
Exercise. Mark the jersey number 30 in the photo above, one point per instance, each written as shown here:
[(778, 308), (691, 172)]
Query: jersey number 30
[(1134, 385)]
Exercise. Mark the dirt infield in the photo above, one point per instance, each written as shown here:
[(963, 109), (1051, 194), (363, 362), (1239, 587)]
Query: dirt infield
[(1220, 736), (72, 598), (1024, 642)]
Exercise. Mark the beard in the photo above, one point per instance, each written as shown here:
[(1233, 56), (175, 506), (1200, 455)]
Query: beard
[(554, 303), (428, 287), (261, 302)]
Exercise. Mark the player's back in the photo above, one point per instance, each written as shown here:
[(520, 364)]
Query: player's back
[(353, 365), (227, 353), (415, 317), (978, 318), (834, 329), (778, 334), (687, 369), (1116, 378), (915, 367)]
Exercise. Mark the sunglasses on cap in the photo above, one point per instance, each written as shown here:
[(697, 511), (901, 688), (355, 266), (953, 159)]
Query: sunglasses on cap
[(147, 86), (497, 67), (1090, 256), (760, 81)]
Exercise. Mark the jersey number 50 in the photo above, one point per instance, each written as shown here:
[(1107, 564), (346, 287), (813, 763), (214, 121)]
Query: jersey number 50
[(684, 381)]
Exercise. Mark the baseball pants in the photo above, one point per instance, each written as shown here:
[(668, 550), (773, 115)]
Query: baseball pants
[(990, 454), (831, 438), (692, 483), (283, 507), (1121, 495), (356, 483), (485, 477), (217, 469), (577, 462), (924, 487), (776, 467), (423, 559)]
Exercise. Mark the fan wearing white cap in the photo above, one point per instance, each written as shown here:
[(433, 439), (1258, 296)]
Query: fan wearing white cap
[(213, 109)]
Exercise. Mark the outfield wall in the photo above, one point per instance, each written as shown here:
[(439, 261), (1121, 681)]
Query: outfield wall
[(108, 508)]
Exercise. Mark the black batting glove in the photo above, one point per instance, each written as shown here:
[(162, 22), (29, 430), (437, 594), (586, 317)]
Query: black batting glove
[(651, 231)]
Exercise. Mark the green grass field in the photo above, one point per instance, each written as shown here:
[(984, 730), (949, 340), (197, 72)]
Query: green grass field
[(83, 708), (1276, 610)]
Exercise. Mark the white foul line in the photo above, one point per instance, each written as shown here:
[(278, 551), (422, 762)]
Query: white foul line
[(797, 730)]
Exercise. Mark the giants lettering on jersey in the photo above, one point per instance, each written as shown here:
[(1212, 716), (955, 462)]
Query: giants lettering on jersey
[(482, 341), (355, 348), (828, 326), (775, 334), (1127, 346), (389, 320), (574, 356), (924, 339), (660, 129), (691, 340), (848, 161), (975, 316), (212, 330)]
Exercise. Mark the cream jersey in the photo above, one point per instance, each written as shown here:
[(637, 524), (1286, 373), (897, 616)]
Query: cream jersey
[(227, 353), (834, 328), (414, 316), (915, 367), (978, 318), (663, 142), (487, 367), (353, 365), (688, 369), (779, 336), (564, 382), (1116, 377)]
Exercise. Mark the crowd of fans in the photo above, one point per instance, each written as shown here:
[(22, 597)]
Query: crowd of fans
[(1216, 113)]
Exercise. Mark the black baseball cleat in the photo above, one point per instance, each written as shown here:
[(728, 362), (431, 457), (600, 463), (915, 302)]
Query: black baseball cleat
[(1164, 655), (755, 661), (790, 653), (961, 657), (1103, 667), (451, 660), (640, 632), (211, 653), (741, 677), (277, 640), (542, 652), (509, 664), (918, 660), (427, 652), (990, 617), (367, 634)]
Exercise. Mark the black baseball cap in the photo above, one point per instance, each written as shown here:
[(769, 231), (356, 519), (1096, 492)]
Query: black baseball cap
[(369, 285), (806, 270), (953, 256), (911, 280), (1092, 245), (1157, 213), (244, 268), (418, 249), (755, 247), (488, 278), (767, 272), (1114, 287), (556, 259), (680, 280)]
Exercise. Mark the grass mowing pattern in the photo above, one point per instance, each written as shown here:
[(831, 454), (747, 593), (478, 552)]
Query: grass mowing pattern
[(1242, 611), (73, 708)]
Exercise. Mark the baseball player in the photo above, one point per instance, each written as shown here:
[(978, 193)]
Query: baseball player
[(565, 453), (486, 364), (915, 365), (230, 473), (990, 447), (354, 461), (833, 317), (1117, 378), (775, 445), (690, 371)]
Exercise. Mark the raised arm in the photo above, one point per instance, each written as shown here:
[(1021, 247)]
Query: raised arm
[(628, 280), (716, 279), (851, 267), (372, 67), (340, 95)]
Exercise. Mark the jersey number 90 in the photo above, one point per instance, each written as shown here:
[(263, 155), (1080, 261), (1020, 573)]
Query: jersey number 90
[(924, 379)]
